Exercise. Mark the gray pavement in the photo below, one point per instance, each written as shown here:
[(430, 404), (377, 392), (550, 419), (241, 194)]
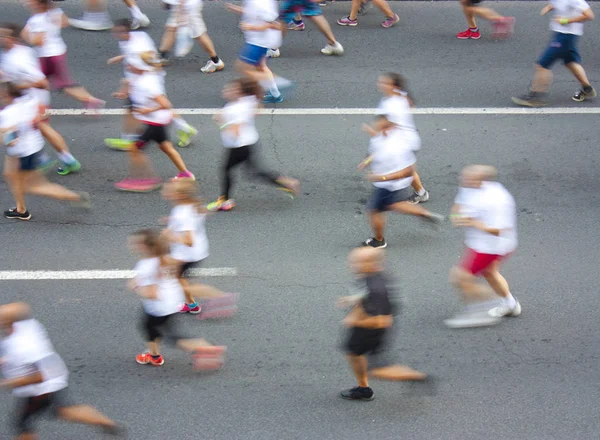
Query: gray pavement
[(535, 377)]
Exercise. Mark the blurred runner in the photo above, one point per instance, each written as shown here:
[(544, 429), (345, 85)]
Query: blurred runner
[(503, 26), (96, 18), (487, 212)]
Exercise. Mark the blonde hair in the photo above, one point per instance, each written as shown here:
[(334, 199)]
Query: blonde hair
[(190, 190)]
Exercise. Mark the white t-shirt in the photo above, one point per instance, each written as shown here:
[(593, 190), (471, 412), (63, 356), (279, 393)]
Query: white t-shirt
[(568, 9), (397, 110), (21, 65), (240, 112), (28, 350), (50, 24), (169, 291), (20, 117), (186, 218), (143, 89), (138, 42), (495, 207), (259, 12), (391, 154)]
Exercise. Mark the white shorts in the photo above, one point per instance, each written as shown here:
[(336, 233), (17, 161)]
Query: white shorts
[(194, 20)]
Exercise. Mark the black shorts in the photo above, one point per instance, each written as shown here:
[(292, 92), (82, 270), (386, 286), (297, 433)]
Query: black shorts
[(29, 407), (364, 341), (475, 2), (155, 327), (186, 266), (381, 199), (33, 161), (156, 133)]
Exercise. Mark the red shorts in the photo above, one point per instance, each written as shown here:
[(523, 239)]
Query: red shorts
[(57, 71), (475, 262)]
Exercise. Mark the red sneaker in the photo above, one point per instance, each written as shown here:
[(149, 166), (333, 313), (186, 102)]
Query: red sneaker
[(468, 34), (209, 358), (185, 308), (504, 27), (146, 358)]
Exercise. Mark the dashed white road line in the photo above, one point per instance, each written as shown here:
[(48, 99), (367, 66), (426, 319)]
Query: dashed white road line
[(23, 275)]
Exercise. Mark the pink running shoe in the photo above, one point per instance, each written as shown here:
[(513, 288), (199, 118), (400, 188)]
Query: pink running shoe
[(292, 26), (390, 21), (503, 28), (138, 185), (469, 35), (185, 175), (209, 358), (185, 308), (94, 106), (345, 21)]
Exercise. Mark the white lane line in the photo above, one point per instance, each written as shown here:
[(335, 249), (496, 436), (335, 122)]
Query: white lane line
[(16, 275), (366, 111)]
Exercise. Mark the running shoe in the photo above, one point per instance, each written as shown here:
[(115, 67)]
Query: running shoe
[(470, 319), (293, 26), (211, 66), (119, 144), (140, 22), (273, 53), (345, 21), (146, 358), (323, 3), (68, 168), (221, 204), (416, 198), (94, 106), (185, 175), (469, 35), (358, 393), (270, 99), (374, 243), (585, 93), (185, 137), (434, 219), (185, 308), (46, 163), (209, 358), (83, 202), (13, 214), (333, 49), (222, 307), (503, 27), (88, 23), (364, 7), (503, 310), (138, 185), (531, 99), (390, 21), (290, 186)]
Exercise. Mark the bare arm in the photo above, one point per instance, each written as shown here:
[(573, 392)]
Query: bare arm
[(406, 172)]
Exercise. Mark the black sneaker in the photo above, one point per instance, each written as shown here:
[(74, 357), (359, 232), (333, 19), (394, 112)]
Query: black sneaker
[(358, 393), (12, 213), (416, 198), (374, 243), (587, 92), (531, 99)]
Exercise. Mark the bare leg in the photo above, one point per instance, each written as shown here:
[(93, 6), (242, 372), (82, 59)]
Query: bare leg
[(207, 44), (470, 289), (27, 437), (14, 178), (189, 298), (397, 373), (577, 70), (54, 137), (80, 94), (193, 344), (86, 415), (541, 79), (95, 6), (168, 39), (153, 347), (36, 183), (139, 164), (377, 221), (354, 9), (323, 25), (496, 281), (167, 148), (359, 368), (407, 208), (486, 13), (416, 183), (130, 124), (383, 6)]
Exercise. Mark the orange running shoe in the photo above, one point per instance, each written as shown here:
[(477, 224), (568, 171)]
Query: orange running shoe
[(146, 358)]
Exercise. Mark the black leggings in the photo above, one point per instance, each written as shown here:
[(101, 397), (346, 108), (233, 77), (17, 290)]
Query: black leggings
[(245, 155)]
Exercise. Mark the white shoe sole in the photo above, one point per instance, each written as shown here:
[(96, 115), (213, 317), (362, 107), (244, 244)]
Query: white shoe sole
[(501, 312), (472, 321)]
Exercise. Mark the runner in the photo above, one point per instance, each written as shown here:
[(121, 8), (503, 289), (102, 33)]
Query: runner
[(396, 106), (566, 27), (38, 376), (24, 156), (186, 234), (96, 18), (392, 163), (391, 18), (290, 9), (240, 138), (487, 212), (20, 65), (188, 14), (369, 322), (262, 31), (503, 26), (154, 110), (157, 285)]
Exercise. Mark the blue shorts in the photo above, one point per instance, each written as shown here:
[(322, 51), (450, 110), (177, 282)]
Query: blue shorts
[(381, 199), (562, 47), (252, 54), (34, 161), (289, 9)]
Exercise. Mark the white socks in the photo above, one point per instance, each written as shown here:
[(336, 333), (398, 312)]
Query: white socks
[(509, 301), (421, 192), (181, 124), (135, 12)]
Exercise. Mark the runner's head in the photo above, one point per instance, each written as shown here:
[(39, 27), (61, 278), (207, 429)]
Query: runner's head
[(9, 35), (181, 191), (37, 6), (121, 29), (473, 175), (9, 92), (241, 87), (148, 243), (391, 84), (11, 313), (366, 260)]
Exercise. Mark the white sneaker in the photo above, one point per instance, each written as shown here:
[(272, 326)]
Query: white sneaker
[(140, 22), (335, 49), (472, 319), (91, 25), (211, 66), (273, 53), (502, 311)]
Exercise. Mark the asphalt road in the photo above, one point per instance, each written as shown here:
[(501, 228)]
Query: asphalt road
[(534, 377)]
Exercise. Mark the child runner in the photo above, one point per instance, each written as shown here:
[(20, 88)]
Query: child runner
[(503, 26), (392, 161), (154, 110), (262, 31), (43, 32), (186, 234), (96, 18), (38, 376), (19, 64), (240, 138), (161, 293), (396, 106), (24, 143), (391, 18), (189, 13)]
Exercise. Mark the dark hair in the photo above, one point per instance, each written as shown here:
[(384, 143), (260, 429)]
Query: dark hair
[(397, 80), (250, 87), (11, 89), (123, 22), (153, 241), (15, 29)]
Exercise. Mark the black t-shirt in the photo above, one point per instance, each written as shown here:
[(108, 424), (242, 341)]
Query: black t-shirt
[(377, 301)]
